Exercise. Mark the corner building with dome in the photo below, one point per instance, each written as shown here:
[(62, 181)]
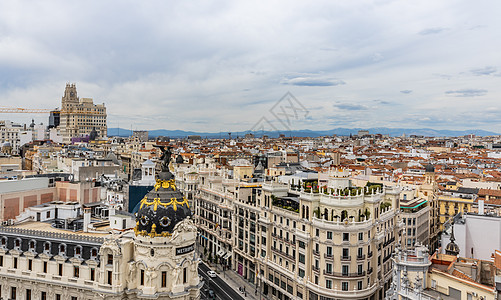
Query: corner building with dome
[(155, 260)]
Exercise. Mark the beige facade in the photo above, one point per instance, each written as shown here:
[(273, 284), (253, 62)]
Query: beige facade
[(80, 116), (300, 243)]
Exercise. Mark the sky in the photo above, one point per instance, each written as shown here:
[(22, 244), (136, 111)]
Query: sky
[(213, 66)]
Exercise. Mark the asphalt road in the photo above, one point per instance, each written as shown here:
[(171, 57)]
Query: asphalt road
[(222, 290)]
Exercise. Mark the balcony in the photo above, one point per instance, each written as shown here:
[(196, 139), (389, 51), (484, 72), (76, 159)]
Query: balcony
[(361, 257), (345, 258), (342, 274), (389, 242), (316, 253), (315, 269), (369, 255), (328, 255), (369, 271)]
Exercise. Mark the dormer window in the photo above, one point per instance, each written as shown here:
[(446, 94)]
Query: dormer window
[(62, 249), (78, 251), (17, 244), (46, 248), (93, 253), (32, 245)]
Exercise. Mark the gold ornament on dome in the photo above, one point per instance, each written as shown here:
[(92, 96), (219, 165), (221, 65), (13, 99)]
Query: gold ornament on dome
[(165, 184), (157, 201)]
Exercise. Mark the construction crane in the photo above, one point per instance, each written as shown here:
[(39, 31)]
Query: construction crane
[(19, 110), (15, 110)]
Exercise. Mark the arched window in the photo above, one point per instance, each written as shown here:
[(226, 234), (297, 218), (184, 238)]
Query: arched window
[(31, 245), (78, 251), (4, 242), (93, 253), (46, 247), (62, 249), (344, 215), (17, 244)]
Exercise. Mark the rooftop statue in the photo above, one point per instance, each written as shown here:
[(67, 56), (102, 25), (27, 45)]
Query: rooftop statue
[(165, 158)]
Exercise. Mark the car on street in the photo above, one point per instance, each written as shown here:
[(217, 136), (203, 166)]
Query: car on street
[(211, 274)]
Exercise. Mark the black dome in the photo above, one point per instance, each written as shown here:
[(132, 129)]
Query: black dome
[(430, 168), (162, 208)]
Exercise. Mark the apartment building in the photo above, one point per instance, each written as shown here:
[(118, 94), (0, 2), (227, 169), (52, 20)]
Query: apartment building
[(306, 242)]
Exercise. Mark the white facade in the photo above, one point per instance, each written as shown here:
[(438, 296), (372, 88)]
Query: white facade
[(477, 236)]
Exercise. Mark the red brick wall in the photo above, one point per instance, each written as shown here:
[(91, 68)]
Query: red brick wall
[(11, 210), (73, 195), (62, 194), (86, 198), (47, 198), (30, 201)]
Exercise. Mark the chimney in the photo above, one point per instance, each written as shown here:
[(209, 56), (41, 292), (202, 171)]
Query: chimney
[(86, 219), (480, 207)]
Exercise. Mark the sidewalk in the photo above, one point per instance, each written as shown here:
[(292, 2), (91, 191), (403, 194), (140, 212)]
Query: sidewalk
[(235, 282)]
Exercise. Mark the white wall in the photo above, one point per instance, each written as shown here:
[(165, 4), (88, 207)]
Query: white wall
[(10, 186)]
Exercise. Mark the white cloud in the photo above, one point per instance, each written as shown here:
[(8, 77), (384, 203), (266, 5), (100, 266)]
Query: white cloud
[(219, 65)]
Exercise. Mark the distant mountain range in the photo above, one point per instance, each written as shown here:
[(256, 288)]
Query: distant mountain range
[(308, 133)]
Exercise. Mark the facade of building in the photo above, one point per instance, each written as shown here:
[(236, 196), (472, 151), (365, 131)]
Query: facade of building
[(156, 260), (78, 117), (332, 242)]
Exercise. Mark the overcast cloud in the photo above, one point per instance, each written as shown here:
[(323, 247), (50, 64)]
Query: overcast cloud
[(215, 65)]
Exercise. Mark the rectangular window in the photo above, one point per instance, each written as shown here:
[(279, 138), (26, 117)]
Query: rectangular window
[(142, 277), (360, 236), (110, 259), (110, 277), (28, 294), (45, 267), (344, 286), (328, 284), (345, 269), (359, 285), (346, 237), (58, 296), (164, 279), (329, 251), (76, 272), (30, 264), (92, 274), (301, 273), (60, 269), (13, 292), (301, 258), (317, 232), (329, 235), (1, 260), (15, 262), (43, 296), (328, 268), (185, 275)]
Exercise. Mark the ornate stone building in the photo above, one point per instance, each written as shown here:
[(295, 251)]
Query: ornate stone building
[(157, 260), (79, 117)]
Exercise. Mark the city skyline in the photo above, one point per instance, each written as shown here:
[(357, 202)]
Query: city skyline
[(221, 66)]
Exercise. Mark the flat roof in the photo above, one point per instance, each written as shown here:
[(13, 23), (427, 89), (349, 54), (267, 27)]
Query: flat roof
[(43, 226)]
